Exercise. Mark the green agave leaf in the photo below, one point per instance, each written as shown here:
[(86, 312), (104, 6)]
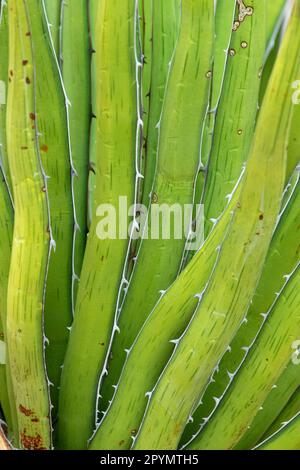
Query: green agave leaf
[(3, 91), (290, 187), (6, 211), (165, 27), (6, 228), (93, 6), (146, 36), (268, 359), (236, 115), (159, 29), (294, 143), (270, 59), (288, 438), (31, 241), (224, 17), (154, 344), (53, 10), (116, 124), (75, 49), (223, 66), (225, 301), (283, 255), (272, 409), (180, 127), (236, 75), (230, 122), (144, 48), (289, 411), (275, 16), (4, 397)]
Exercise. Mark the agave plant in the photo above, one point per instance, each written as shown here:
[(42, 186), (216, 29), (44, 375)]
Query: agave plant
[(127, 336)]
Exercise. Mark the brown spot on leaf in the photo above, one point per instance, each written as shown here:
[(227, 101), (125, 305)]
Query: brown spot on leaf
[(26, 411), (24, 62), (32, 116), (44, 148), (27, 80), (31, 442), (177, 429)]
